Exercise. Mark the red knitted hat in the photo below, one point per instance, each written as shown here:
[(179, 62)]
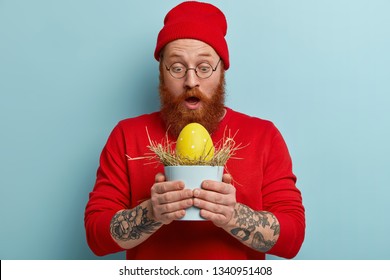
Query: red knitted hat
[(195, 20)]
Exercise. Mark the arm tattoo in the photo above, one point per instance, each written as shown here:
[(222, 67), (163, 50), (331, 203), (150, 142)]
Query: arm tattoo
[(259, 243), (248, 223), (131, 224)]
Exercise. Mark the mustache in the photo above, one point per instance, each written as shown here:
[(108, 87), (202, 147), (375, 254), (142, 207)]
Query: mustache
[(192, 93)]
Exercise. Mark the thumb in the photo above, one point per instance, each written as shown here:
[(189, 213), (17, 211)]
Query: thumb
[(227, 178), (159, 178)]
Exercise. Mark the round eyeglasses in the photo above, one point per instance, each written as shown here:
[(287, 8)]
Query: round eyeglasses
[(203, 70)]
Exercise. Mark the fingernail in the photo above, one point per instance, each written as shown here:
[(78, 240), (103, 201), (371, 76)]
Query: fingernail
[(196, 202), (196, 192)]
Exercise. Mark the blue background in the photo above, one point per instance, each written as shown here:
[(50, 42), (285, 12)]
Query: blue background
[(70, 70)]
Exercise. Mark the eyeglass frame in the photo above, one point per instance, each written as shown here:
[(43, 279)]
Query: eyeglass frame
[(191, 68)]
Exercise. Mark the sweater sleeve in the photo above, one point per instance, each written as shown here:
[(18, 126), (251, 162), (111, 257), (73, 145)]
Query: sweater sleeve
[(282, 198), (109, 195)]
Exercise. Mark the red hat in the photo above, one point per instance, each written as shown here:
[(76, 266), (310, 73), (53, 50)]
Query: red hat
[(195, 20)]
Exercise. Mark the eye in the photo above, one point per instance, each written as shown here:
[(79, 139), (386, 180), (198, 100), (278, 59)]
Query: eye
[(204, 67), (177, 68)]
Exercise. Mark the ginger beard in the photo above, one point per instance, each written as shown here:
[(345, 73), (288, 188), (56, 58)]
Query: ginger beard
[(176, 115)]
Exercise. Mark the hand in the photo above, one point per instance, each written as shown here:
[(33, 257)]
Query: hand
[(169, 199), (216, 200)]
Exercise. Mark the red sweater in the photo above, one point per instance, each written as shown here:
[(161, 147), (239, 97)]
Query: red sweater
[(263, 176)]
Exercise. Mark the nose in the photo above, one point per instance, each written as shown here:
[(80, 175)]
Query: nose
[(191, 79)]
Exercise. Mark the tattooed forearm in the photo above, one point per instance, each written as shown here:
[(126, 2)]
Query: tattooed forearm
[(132, 224), (259, 230), (259, 243)]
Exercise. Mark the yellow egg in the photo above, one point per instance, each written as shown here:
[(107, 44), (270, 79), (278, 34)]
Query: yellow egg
[(194, 143)]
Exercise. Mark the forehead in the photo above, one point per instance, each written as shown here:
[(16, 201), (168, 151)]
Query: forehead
[(188, 48)]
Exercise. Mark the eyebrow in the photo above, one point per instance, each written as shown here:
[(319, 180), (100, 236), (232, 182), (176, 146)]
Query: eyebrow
[(176, 55), (205, 55)]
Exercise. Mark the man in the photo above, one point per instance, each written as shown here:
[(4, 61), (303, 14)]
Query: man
[(256, 209)]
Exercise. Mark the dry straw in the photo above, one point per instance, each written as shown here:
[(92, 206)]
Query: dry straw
[(164, 152)]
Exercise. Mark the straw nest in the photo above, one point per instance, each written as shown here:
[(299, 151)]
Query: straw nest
[(164, 152)]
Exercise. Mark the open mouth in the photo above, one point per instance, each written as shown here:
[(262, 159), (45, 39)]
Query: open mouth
[(192, 103), (192, 100)]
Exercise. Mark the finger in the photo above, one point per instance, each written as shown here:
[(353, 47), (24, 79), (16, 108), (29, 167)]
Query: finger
[(164, 187), (169, 217), (174, 196), (216, 213), (210, 206), (202, 196), (227, 178), (159, 178), (175, 206), (218, 219), (219, 215), (214, 197), (218, 187), (168, 212)]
